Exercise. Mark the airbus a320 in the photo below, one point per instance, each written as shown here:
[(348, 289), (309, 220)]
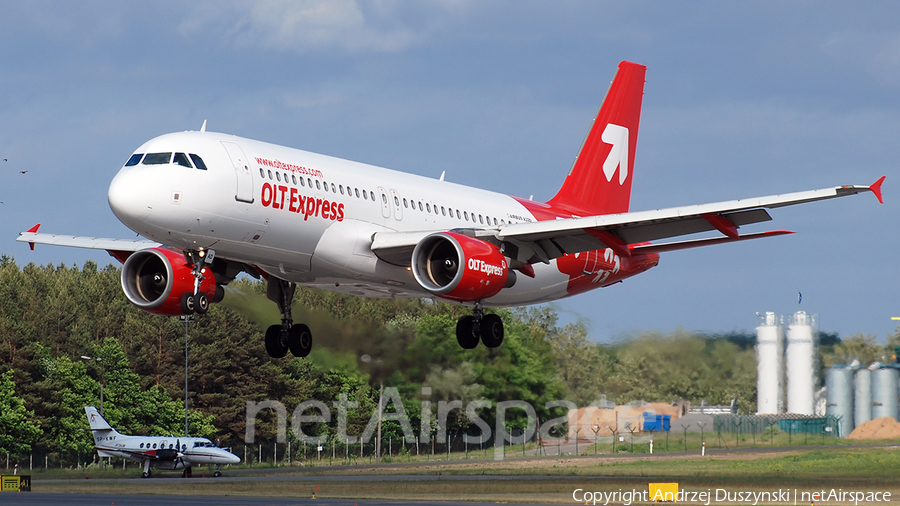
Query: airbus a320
[(212, 206)]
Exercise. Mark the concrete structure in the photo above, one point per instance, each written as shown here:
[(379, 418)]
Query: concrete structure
[(770, 371), (800, 364)]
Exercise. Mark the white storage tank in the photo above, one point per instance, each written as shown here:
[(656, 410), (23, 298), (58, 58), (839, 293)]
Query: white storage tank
[(769, 354), (839, 385), (862, 397), (799, 362), (885, 392)]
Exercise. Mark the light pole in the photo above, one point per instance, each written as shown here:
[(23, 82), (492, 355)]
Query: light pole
[(187, 319), (102, 377)]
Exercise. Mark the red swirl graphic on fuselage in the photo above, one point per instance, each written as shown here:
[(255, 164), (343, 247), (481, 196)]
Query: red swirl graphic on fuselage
[(591, 269)]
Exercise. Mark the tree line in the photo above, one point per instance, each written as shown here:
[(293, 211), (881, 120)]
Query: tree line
[(51, 316)]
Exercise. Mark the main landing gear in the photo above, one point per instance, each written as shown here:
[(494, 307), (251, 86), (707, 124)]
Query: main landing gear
[(488, 328), (287, 336), (196, 302)]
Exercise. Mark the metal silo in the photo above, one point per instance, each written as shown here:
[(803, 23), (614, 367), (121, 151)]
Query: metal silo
[(799, 362), (885, 392), (862, 397), (769, 353), (839, 382)]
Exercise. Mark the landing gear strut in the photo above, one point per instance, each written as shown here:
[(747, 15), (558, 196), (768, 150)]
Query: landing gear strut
[(287, 336), (479, 327), (196, 302)]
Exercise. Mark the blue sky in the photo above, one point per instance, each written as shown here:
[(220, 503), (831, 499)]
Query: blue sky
[(742, 99)]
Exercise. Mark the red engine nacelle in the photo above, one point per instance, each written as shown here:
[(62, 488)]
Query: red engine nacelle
[(155, 279), (458, 267)]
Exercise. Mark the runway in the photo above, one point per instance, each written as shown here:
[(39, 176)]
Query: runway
[(32, 498)]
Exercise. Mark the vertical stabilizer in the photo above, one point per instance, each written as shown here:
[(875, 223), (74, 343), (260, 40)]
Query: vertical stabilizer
[(600, 179), (98, 423)]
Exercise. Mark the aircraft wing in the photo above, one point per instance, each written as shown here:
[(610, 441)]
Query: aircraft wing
[(32, 237), (628, 232)]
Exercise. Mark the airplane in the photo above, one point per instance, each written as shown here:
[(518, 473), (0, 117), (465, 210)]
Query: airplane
[(171, 453), (214, 205)]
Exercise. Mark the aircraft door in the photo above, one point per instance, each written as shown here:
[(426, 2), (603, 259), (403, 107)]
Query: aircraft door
[(398, 211), (385, 204), (244, 191)]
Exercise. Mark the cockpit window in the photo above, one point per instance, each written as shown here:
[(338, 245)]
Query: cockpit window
[(182, 159), (198, 162), (134, 160), (157, 158)]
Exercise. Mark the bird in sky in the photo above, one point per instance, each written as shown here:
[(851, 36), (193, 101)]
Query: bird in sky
[(23, 172)]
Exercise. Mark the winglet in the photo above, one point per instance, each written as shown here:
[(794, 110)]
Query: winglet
[(34, 230), (876, 189)]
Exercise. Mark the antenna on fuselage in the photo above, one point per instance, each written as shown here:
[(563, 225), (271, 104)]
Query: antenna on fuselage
[(203, 127), (443, 172)]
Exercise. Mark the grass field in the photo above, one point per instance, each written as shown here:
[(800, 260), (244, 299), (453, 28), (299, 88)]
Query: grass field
[(546, 479)]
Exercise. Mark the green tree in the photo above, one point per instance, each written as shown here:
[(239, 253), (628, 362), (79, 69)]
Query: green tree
[(18, 430)]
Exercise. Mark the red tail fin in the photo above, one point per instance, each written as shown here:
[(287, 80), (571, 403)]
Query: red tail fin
[(600, 179)]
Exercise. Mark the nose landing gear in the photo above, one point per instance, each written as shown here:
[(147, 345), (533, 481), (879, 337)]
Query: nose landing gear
[(479, 327), (196, 302)]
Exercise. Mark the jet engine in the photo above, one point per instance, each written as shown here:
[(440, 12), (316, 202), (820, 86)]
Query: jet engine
[(459, 267), (160, 281)]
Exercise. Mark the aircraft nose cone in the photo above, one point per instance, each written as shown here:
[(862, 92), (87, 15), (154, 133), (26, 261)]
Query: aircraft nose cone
[(127, 196)]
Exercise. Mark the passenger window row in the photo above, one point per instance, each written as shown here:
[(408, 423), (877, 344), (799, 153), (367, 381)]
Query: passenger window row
[(163, 447), (478, 219), (165, 158), (320, 185)]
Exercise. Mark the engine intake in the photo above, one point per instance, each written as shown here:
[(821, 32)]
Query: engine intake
[(154, 280), (458, 267)]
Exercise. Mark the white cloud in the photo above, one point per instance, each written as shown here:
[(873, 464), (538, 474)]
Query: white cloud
[(305, 25)]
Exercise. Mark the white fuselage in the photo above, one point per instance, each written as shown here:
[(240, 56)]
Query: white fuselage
[(307, 218), (186, 451)]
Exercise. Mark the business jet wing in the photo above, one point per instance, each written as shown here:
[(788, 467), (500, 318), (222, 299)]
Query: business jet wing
[(627, 233)]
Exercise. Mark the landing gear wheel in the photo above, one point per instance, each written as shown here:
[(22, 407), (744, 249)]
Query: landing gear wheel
[(187, 303), (201, 303), (468, 332), (276, 342), (187, 473), (491, 330), (145, 474), (217, 474), (300, 340)]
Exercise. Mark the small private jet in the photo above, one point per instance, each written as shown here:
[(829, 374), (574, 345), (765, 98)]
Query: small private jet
[(170, 453)]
